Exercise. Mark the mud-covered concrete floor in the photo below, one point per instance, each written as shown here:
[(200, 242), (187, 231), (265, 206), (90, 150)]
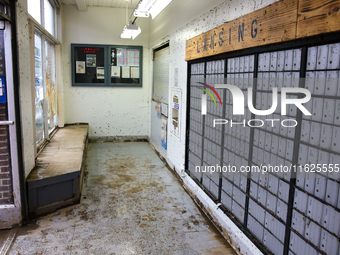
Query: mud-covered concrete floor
[(131, 204)]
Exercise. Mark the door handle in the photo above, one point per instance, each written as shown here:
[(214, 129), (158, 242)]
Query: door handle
[(6, 123)]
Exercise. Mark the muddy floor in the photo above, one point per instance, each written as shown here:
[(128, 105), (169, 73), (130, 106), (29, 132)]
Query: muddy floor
[(131, 204)]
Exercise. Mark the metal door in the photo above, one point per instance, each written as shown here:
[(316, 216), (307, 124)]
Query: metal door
[(10, 198)]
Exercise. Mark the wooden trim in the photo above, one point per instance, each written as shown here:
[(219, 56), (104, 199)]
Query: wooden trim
[(43, 31), (281, 21), (317, 17)]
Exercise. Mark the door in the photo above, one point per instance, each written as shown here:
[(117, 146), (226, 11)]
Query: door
[(10, 199), (160, 97)]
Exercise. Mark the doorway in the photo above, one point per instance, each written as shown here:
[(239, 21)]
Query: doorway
[(10, 191)]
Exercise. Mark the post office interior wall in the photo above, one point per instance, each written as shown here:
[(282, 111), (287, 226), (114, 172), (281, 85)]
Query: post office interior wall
[(121, 111), (177, 31), (109, 111), (26, 91)]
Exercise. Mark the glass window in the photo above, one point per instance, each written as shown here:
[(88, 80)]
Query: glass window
[(34, 9), (50, 86), (49, 17), (39, 91), (44, 13), (45, 88)]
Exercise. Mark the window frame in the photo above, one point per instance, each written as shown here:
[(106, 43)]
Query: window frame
[(47, 134), (56, 36), (39, 28)]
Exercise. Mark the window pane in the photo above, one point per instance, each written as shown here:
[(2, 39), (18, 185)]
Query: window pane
[(49, 17), (39, 91), (34, 10), (51, 95)]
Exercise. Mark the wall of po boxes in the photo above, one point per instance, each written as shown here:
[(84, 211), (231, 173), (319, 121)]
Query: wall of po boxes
[(305, 220)]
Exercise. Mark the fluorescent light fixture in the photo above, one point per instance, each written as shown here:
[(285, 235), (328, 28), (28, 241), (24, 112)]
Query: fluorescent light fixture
[(141, 14), (158, 6), (142, 8), (130, 31), (153, 7), (144, 5)]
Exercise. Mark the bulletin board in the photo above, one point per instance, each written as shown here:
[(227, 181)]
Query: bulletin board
[(107, 65)]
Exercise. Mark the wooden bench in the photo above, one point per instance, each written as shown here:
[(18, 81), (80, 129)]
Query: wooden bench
[(56, 180)]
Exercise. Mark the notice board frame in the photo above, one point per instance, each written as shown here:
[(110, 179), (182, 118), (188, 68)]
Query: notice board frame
[(82, 55)]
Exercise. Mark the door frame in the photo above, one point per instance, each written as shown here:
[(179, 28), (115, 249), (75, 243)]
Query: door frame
[(13, 215)]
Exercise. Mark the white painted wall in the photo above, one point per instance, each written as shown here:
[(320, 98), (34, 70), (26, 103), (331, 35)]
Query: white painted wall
[(194, 17), (176, 15), (26, 91), (109, 111)]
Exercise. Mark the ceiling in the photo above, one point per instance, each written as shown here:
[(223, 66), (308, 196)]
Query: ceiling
[(102, 3)]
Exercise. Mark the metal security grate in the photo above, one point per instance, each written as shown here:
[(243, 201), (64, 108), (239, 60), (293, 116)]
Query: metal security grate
[(287, 212), (273, 144), (196, 120), (240, 72), (315, 217)]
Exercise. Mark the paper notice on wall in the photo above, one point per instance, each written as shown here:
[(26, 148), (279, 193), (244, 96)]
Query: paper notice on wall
[(135, 72), (158, 110), (164, 132), (100, 73), (125, 72), (176, 99), (115, 71), (91, 60), (80, 66)]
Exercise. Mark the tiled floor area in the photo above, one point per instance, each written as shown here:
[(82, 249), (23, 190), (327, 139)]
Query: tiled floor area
[(131, 204)]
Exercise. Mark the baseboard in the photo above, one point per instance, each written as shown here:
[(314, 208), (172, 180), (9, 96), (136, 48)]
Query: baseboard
[(118, 139)]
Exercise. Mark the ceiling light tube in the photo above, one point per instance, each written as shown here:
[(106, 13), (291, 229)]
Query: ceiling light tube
[(135, 33), (145, 5), (125, 34), (130, 31), (158, 6), (142, 8)]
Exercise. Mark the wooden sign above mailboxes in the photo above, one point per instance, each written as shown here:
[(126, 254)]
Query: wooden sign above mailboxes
[(281, 21)]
